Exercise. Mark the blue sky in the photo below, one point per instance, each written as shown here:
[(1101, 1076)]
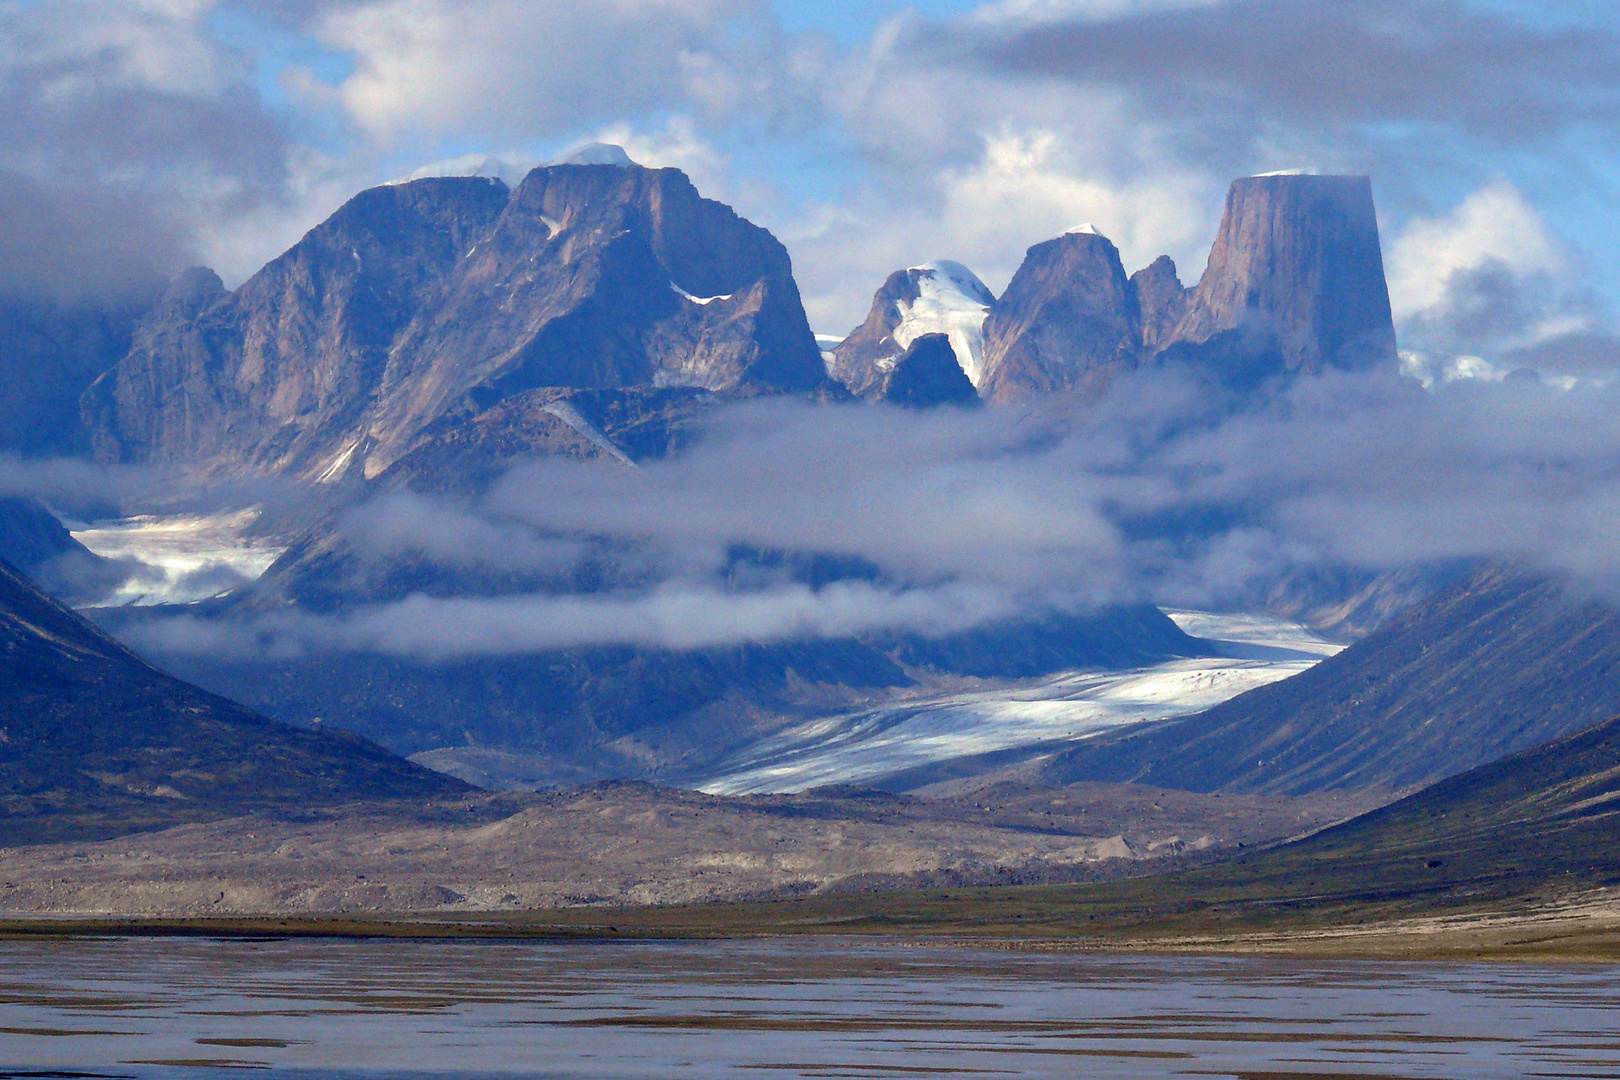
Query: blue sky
[(870, 136)]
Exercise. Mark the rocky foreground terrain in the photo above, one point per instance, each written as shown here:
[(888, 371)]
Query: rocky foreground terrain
[(631, 843)]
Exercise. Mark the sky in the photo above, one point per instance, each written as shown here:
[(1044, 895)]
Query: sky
[(866, 136)]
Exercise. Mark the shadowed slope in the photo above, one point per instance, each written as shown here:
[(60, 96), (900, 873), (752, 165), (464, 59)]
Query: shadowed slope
[(95, 743), (1498, 662)]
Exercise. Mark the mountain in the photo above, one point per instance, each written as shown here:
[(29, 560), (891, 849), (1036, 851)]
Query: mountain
[(926, 374), (1295, 284), (32, 539), (1541, 819), (1068, 321), (1295, 281), (1499, 661), (1161, 301), (96, 743), (941, 297), (1529, 831), (439, 298), (51, 350)]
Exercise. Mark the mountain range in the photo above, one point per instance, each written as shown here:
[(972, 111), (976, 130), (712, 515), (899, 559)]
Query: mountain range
[(1295, 284), (433, 334), (445, 297)]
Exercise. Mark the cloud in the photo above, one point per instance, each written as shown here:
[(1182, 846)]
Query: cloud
[(1358, 62), (126, 132), (788, 521), (673, 617), (537, 68), (1494, 227), (1488, 288)]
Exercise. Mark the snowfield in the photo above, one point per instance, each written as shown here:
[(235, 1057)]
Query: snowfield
[(185, 558), (867, 746), (951, 301)]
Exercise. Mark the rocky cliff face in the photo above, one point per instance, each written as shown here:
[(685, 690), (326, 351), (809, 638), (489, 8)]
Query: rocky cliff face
[(1296, 277), (936, 298), (442, 297), (1067, 321), (1295, 284), (1161, 301)]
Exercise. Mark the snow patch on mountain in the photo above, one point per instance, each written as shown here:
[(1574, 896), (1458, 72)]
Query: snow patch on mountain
[(507, 171), (703, 300), (596, 153), (951, 300)]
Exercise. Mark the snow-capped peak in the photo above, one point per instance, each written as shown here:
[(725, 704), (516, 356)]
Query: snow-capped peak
[(596, 153), (951, 300), (1087, 229)]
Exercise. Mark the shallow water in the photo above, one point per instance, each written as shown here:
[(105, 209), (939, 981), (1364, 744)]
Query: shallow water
[(826, 1008)]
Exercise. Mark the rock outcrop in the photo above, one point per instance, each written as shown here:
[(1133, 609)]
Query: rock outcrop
[(940, 297), (1068, 321), (1295, 281), (443, 296), (1161, 302), (925, 375)]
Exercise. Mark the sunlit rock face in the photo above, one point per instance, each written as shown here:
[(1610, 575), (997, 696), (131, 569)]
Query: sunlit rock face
[(1295, 281), (1067, 321), (440, 297)]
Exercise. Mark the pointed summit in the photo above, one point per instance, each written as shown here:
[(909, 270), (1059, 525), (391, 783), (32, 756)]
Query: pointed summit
[(939, 297), (1067, 321)]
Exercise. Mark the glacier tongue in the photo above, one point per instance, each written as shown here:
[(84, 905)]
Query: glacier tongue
[(951, 300)]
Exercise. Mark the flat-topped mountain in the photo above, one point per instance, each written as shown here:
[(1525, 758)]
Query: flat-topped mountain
[(94, 742), (443, 296), (941, 297), (1295, 280)]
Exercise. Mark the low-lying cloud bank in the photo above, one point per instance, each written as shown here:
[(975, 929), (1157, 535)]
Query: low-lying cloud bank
[(790, 521)]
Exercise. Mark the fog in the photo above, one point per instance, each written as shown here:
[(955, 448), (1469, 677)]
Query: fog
[(935, 522)]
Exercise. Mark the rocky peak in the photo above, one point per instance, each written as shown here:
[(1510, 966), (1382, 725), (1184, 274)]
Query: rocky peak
[(1067, 321), (941, 297), (1161, 300), (441, 296), (1296, 275)]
